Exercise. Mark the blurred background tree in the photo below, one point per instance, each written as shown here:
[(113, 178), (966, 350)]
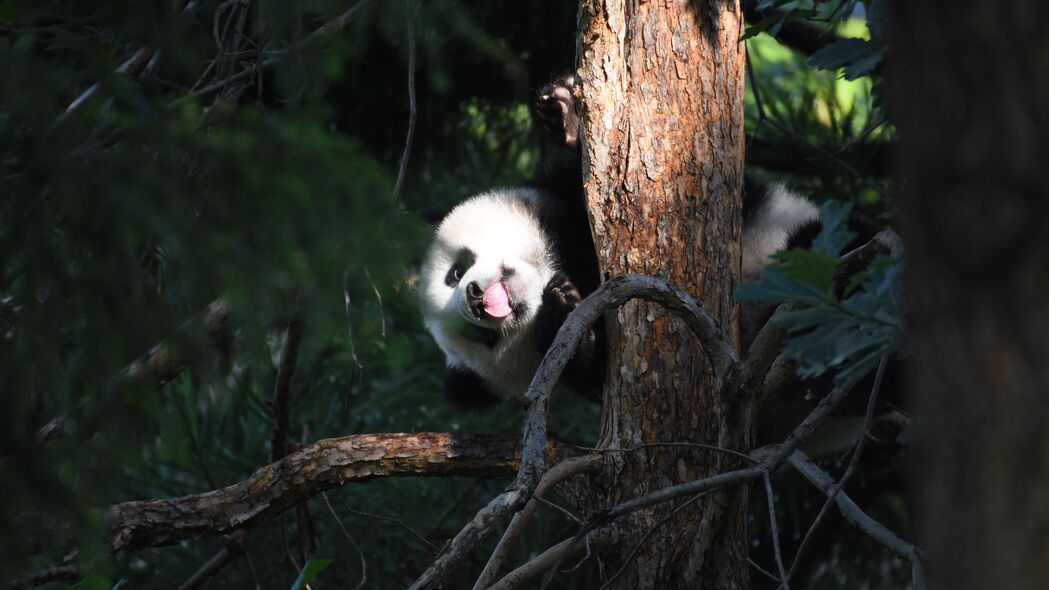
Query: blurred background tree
[(158, 157)]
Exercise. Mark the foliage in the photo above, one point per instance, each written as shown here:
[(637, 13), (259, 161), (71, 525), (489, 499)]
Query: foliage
[(846, 332), (122, 221)]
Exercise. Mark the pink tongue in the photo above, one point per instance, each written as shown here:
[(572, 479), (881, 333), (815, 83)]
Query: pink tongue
[(496, 301)]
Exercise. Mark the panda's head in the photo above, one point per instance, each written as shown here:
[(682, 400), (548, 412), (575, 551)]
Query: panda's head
[(484, 275)]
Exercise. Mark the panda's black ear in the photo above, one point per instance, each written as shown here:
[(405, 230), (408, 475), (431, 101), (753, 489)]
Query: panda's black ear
[(433, 216)]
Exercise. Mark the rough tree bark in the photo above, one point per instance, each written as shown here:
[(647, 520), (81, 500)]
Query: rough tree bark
[(662, 96), (970, 102)]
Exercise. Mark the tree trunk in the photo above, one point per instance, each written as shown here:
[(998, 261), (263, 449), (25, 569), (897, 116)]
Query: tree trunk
[(971, 99), (662, 96)]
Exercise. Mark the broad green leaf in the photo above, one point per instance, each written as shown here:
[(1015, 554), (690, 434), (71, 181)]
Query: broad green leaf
[(858, 57), (835, 234), (313, 567)]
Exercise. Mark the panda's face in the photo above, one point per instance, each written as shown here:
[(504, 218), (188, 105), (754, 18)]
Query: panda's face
[(486, 269)]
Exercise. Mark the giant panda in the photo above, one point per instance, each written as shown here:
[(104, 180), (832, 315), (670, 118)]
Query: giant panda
[(507, 266)]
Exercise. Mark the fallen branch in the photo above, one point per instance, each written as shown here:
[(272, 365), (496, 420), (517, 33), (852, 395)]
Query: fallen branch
[(305, 473)]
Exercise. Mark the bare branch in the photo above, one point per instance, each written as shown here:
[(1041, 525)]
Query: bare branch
[(410, 14), (612, 293), (861, 519), (648, 534), (538, 565), (227, 555), (394, 520), (763, 352), (768, 459), (854, 462), (60, 573), (312, 469), (167, 360), (555, 475), (132, 66), (349, 537), (884, 243), (774, 531), (271, 58), (289, 354)]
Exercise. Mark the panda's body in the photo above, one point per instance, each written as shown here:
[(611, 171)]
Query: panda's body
[(507, 266)]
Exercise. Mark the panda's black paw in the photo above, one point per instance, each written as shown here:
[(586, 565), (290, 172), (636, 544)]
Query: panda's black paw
[(555, 107), (560, 297), (561, 293)]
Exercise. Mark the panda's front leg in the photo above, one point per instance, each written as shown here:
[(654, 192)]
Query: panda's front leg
[(585, 370), (560, 297), (555, 108)]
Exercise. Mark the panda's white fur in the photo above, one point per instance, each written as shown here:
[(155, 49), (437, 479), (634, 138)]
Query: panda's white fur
[(770, 227), (502, 229)]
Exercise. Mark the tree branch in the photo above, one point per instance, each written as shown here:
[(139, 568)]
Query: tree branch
[(860, 519), (537, 565), (612, 293), (767, 460), (317, 467), (555, 475), (61, 573), (228, 554), (289, 355)]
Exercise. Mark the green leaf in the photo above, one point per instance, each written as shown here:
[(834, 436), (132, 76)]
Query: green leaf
[(761, 26), (835, 234), (859, 57), (313, 567), (776, 287), (813, 267)]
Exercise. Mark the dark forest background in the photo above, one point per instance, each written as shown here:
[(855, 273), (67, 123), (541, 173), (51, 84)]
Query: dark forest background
[(132, 201)]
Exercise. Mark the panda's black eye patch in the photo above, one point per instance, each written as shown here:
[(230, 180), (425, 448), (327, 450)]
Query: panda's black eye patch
[(463, 261)]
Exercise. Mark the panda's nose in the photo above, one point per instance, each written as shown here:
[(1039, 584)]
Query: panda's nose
[(475, 299)]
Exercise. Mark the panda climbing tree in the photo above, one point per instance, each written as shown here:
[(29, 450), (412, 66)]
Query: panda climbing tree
[(657, 119)]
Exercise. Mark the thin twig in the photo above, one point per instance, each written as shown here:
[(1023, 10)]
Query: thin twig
[(555, 475), (763, 571), (860, 519), (571, 516), (849, 470), (60, 573), (227, 555), (774, 531), (132, 66), (349, 537), (410, 14), (648, 533), (769, 459), (392, 519), (537, 565), (273, 57), (289, 355), (688, 445)]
